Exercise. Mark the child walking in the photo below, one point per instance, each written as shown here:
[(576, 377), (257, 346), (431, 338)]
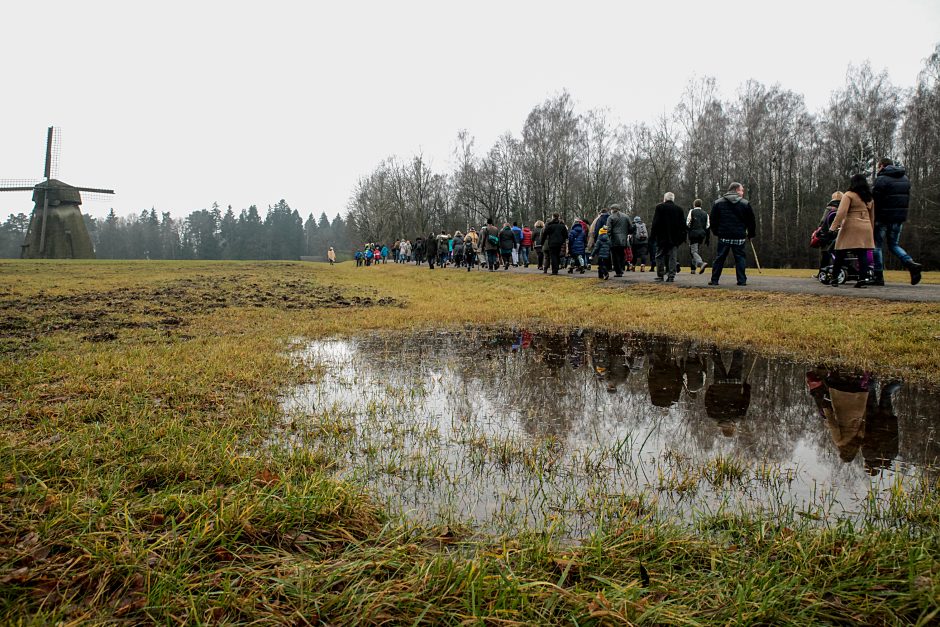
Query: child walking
[(602, 251)]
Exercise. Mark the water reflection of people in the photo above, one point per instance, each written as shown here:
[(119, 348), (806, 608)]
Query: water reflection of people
[(522, 340), (618, 369), (816, 382), (880, 446), (664, 377), (857, 416), (693, 371), (727, 399), (849, 398)]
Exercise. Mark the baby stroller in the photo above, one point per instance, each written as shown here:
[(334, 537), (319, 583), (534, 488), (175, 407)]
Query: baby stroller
[(848, 272)]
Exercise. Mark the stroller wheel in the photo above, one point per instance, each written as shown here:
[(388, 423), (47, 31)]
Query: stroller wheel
[(823, 276)]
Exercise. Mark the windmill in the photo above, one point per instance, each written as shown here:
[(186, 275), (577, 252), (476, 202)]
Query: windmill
[(56, 228)]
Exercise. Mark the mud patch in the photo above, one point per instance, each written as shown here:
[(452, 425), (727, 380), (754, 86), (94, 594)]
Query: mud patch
[(101, 316)]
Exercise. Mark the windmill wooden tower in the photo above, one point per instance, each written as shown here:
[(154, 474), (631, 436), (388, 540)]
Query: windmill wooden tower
[(56, 228)]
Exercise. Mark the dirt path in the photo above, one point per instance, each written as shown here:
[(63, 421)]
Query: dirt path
[(893, 291)]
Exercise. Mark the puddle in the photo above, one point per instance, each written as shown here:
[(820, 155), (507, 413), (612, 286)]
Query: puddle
[(566, 432)]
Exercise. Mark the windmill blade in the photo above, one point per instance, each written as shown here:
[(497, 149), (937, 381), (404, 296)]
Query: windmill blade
[(96, 195), (95, 190), (17, 185), (93, 194), (53, 152), (4, 188)]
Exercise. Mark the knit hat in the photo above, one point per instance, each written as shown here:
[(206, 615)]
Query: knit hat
[(637, 219), (602, 231), (837, 195)]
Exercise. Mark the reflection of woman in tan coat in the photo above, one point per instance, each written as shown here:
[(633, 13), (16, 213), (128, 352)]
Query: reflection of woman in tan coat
[(846, 424), (855, 219)]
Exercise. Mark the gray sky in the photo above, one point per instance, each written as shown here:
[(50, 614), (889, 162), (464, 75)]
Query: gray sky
[(177, 105)]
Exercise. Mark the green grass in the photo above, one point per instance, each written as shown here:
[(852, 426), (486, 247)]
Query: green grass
[(135, 487)]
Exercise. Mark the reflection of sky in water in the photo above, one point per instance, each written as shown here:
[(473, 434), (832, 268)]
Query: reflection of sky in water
[(525, 430)]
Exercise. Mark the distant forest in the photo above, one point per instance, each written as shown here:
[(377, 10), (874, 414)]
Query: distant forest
[(574, 163), (205, 234)]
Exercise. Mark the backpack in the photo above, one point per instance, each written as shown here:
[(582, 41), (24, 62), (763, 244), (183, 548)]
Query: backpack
[(493, 239), (822, 237), (641, 233)]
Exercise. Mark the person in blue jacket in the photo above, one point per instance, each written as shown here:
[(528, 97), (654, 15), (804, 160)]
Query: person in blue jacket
[(602, 251), (577, 243)]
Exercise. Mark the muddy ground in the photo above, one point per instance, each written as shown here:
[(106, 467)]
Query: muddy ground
[(101, 316)]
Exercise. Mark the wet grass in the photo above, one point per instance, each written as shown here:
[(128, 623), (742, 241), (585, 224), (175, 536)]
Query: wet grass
[(136, 484)]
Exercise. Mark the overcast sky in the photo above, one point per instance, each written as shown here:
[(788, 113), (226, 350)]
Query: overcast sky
[(177, 105)]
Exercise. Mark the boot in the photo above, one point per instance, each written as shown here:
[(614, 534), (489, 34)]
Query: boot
[(878, 278), (914, 269)]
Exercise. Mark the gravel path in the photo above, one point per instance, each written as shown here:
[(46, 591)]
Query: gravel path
[(893, 291)]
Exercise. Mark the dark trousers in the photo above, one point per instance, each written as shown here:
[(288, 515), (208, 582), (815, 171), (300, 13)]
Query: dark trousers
[(603, 265), (740, 261), (541, 257), (618, 257), (641, 254), (492, 259), (554, 257), (860, 253)]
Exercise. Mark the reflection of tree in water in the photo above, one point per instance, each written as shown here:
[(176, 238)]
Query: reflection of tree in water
[(531, 382)]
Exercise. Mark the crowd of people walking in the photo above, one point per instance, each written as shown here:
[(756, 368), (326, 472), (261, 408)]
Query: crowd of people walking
[(854, 228)]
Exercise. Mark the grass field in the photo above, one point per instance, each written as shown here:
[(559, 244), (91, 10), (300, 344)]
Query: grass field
[(135, 396)]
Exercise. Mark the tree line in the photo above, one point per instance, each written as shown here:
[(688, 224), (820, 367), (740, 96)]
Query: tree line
[(204, 234), (574, 163)]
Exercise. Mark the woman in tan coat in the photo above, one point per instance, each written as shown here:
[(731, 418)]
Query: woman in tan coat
[(855, 219)]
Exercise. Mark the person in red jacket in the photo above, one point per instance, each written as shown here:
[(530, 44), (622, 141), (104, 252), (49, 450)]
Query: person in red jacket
[(525, 246)]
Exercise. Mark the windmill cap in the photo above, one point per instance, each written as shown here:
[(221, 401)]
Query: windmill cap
[(58, 193)]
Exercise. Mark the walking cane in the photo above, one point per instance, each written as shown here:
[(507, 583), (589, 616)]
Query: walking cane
[(756, 260)]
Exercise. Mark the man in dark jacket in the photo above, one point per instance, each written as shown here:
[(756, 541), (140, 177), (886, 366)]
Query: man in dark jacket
[(431, 246), (698, 234), (892, 194), (618, 227), (489, 242), (732, 222), (507, 245), (727, 399), (553, 238), (668, 231)]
